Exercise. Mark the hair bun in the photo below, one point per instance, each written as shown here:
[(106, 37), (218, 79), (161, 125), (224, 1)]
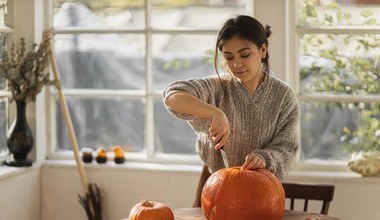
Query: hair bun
[(268, 31)]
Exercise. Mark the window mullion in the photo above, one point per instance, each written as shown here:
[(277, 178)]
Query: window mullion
[(291, 60), (121, 30), (95, 30), (149, 111), (291, 51), (339, 98), (339, 30), (98, 93)]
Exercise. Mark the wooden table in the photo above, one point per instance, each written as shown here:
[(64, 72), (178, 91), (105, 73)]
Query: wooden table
[(196, 214)]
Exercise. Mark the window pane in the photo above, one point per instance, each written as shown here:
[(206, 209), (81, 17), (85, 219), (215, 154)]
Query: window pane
[(110, 61), (3, 127), (172, 135), (193, 14), (331, 130), (3, 44), (3, 13), (3, 102), (344, 63), (181, 56), (2, 83), (105, 13), (102, 122), (339, 12)]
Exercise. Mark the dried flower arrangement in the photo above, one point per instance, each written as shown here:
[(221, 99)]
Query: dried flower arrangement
[(25, 71)]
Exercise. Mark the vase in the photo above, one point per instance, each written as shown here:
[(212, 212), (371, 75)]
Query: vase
[(20, 138)]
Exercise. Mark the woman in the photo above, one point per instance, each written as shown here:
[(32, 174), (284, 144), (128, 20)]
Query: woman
[(248, 111)]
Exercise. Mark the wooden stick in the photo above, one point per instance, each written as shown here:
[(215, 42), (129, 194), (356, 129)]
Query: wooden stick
[(67, 116), (92, 204)]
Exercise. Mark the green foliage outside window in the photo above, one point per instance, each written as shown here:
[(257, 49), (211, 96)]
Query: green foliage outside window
[(356, 73)]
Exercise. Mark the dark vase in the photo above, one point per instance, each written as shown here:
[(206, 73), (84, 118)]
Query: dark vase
[(20, 139)]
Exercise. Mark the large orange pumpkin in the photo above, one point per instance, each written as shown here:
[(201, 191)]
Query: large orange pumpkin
[(150, 210), (236, 194)]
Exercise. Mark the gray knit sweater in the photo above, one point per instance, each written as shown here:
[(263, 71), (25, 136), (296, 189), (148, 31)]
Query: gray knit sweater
[(264, 123)]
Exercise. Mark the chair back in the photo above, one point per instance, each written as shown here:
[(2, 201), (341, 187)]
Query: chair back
[(309, 191)]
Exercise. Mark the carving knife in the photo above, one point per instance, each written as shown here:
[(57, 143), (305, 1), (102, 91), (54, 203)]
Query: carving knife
[(224, 156)]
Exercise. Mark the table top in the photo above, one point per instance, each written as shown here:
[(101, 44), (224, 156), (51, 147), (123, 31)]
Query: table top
[(196, 214)]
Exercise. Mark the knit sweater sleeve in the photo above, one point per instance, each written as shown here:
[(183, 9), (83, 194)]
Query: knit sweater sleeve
[(204, 89), (281, 150)]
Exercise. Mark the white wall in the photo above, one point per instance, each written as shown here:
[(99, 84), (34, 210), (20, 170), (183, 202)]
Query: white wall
[(20, 193), (356, 197), (264, 11), (25, 197), (123, 186)]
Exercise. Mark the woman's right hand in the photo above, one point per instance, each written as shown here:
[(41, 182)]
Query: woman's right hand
[(219, 129), (184, 102)]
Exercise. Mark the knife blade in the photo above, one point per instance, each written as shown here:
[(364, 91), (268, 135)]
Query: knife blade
[(224, 157)]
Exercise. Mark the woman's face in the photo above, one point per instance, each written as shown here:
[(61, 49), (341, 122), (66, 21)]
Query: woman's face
[(243, 59)]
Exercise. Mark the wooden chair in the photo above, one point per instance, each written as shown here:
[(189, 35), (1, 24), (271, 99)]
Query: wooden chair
[(309, 191)]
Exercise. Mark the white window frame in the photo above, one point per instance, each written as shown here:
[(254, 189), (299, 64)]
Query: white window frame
[(293, 33), (12, 36), (26, 20), (150, 95), (263, 8)]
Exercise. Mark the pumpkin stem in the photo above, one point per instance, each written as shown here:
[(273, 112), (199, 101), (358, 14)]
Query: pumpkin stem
[(146, 203)]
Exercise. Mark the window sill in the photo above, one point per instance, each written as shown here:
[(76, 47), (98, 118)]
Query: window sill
[(296, 175), (7, 171), (304, 175), (110, 165), (331, 176), (337, 171)]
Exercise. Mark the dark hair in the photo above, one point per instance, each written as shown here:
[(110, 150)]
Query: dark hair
[(248, 28)]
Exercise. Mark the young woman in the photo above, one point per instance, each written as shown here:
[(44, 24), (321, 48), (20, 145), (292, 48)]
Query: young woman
[(247, 110)]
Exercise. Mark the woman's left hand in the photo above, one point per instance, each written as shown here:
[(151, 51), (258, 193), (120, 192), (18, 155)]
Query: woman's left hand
[(252, 162)]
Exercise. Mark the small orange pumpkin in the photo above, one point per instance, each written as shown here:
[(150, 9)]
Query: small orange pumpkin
[(118, 150), (101, 155), (119, 154), (248, 194), (150, 210)]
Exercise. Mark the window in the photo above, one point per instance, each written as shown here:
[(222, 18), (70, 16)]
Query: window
[(339, 77), (5, 30), (115, 57)]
